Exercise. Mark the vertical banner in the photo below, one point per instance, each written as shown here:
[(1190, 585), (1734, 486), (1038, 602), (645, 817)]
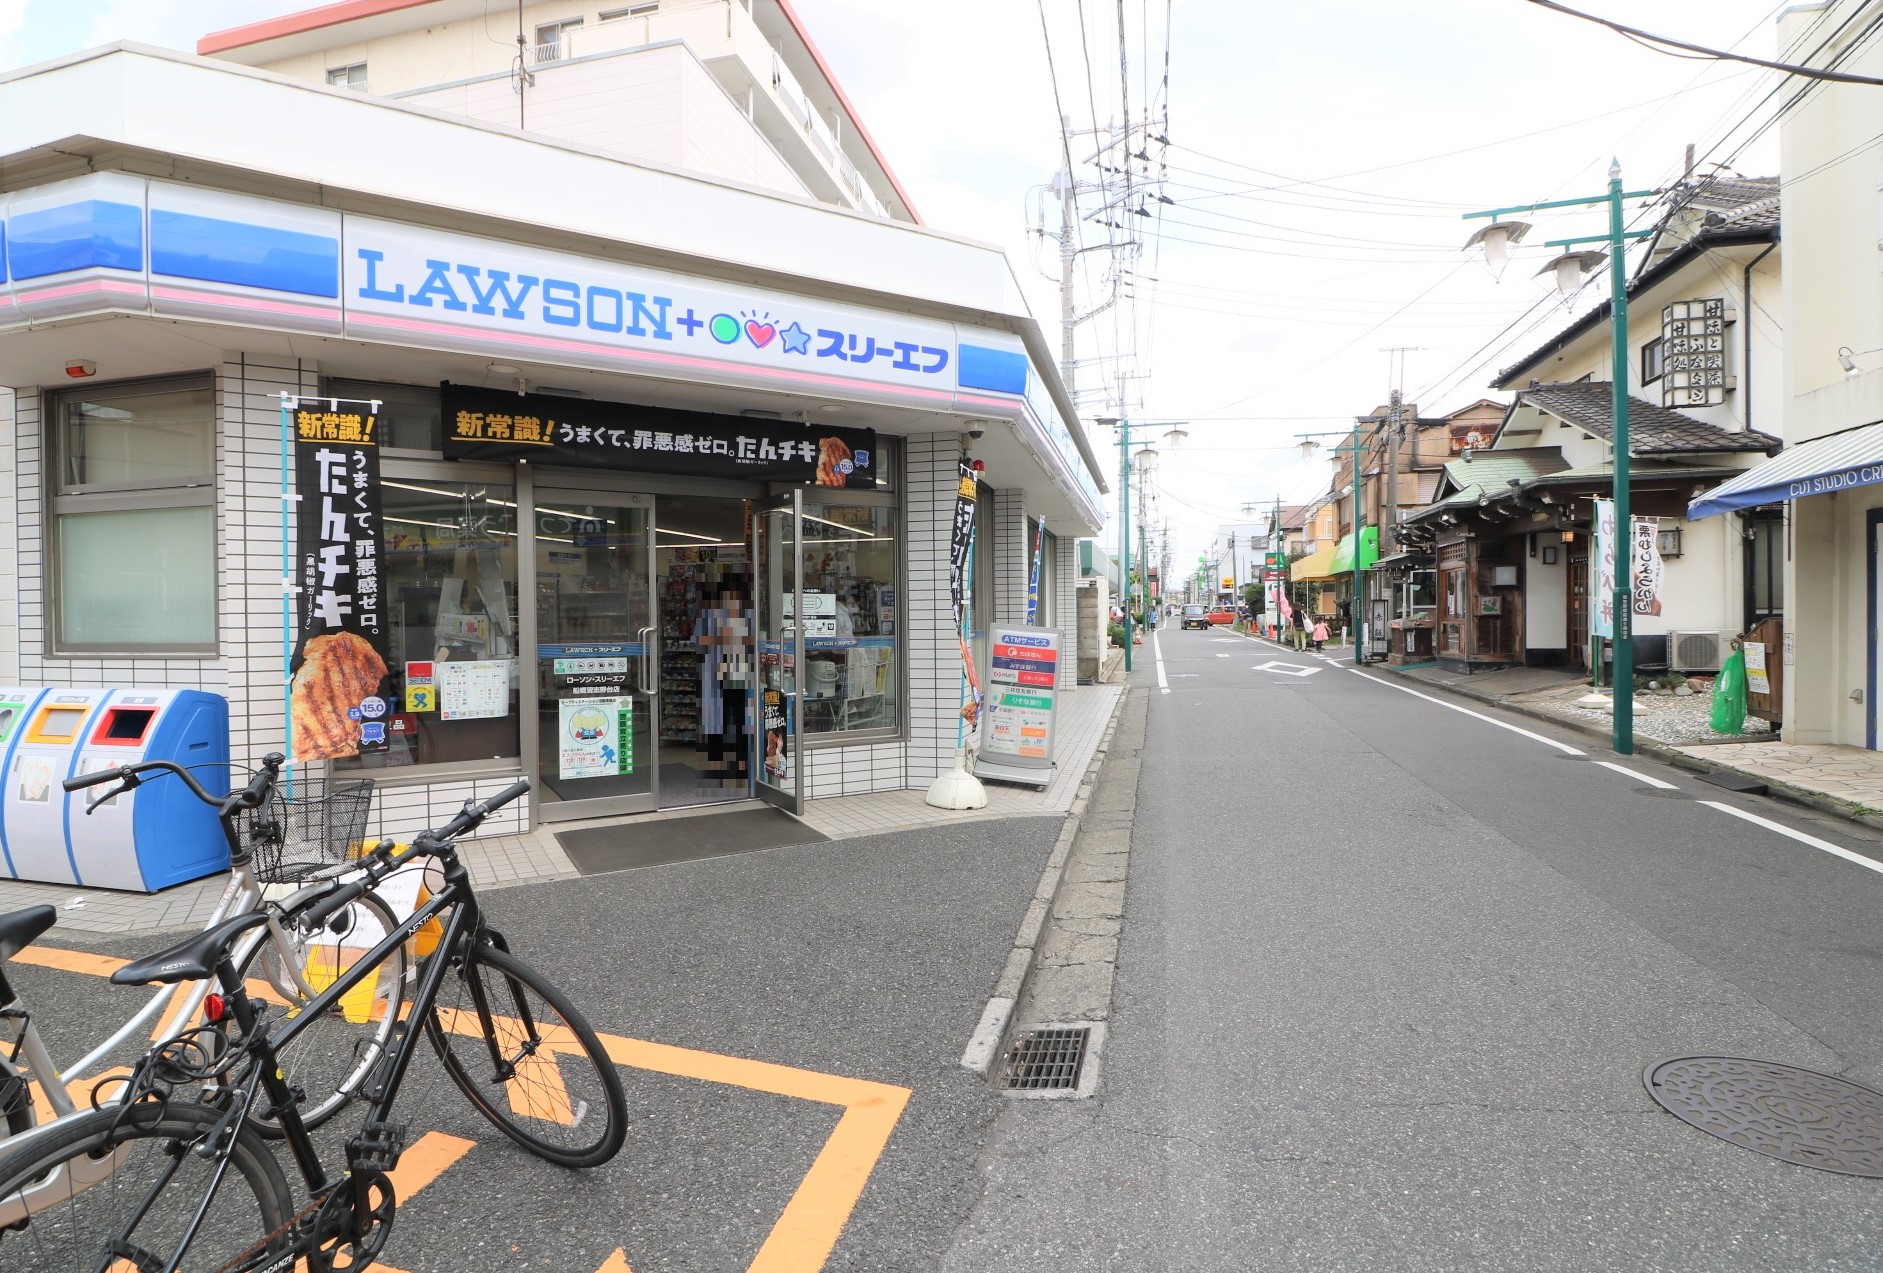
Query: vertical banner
[(1022, 692), (1646, 569), (1033, 580), (336, 706), (1602, 591), (775, 724), (960, 559)]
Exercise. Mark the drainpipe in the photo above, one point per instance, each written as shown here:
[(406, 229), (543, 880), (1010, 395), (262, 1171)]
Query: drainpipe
[(1745, 303)]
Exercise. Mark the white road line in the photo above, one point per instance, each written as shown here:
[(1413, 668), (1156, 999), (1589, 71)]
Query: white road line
[(1157, 646), (1801, 837), (1638, 777), (1565, 748)]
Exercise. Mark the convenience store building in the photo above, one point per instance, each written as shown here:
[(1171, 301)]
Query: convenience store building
[(637, 436)]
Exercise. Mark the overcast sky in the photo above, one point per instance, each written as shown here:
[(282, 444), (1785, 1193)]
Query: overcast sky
[(1321, 153)]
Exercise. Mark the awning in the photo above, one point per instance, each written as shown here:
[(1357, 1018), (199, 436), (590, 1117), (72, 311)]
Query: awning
[(1318, 565), (1818, 467), (1369, 550)]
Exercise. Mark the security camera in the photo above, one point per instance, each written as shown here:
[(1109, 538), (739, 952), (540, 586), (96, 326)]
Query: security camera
[(977, 429)]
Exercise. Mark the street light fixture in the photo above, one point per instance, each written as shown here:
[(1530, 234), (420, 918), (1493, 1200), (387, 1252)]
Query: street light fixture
[(1567, 269), (1496, 239)]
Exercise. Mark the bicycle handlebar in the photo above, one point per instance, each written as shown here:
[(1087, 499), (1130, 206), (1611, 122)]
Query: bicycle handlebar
[(130, 777)]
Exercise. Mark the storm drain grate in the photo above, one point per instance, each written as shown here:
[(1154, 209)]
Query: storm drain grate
[(1781, 1111), (1046, 1060)]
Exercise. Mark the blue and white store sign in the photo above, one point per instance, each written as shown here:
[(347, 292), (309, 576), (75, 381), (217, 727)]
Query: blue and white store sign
[(113, 242)]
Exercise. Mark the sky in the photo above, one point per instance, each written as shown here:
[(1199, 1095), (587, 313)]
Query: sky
[(1318, 158)]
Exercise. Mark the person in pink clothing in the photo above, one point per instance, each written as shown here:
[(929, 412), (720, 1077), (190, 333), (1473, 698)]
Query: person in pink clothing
[(1320, 633)]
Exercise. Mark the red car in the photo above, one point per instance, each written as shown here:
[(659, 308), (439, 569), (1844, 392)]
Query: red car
[(1223, 617)]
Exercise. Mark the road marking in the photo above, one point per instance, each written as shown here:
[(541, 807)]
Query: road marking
[(1222, 656), (1869, 864), (801, 1239), (1157, 648), (1288, 669), (1638, 777), (616, 1263), (1565, 748)]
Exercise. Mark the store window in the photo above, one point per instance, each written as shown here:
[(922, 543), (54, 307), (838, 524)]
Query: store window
[(449, 572), (1046, 614), (409, 417), (1653, 360), (852, 619), (133, 490)]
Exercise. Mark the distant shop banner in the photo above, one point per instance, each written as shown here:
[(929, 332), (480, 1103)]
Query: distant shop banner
[(488, 424), (338, 706)]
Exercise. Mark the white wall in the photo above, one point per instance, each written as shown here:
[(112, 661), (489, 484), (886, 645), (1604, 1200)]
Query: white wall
[(657, 104), (1545, 594)]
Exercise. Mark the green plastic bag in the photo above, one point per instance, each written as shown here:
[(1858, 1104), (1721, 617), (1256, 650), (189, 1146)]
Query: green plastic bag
[(1729, 695)]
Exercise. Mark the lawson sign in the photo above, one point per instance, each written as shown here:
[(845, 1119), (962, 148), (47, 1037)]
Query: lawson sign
[(115, 242)]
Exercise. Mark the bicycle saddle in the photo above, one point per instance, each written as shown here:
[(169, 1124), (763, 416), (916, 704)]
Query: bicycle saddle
[(191, 959), (19, 929)]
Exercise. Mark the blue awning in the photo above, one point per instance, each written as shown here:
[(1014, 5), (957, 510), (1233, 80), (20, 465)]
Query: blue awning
[(1818, 467)]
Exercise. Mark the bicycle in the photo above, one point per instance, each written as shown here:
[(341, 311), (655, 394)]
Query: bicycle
[(108, 1190), (285, 956)]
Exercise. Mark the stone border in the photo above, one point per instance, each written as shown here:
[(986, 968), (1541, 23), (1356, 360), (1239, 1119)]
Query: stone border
[(984, 1043)]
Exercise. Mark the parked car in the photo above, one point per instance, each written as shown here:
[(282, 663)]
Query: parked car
[(1196, 616), (1222, 616)]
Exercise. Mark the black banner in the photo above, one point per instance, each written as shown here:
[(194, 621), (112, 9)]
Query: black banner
[(488, 424), (338, 707), (961, 537)]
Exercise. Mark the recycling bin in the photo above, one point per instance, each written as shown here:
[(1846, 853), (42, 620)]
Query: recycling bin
[(145, 840)]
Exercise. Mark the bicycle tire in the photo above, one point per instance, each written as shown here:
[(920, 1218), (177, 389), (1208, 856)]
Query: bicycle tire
[(67, 1228), (545, 1097), (331, 1058)]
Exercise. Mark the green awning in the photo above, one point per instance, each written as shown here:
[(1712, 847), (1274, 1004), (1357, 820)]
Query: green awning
[(1369, 550)]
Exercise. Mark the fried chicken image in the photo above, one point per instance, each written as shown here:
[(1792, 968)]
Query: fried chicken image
[(337, 671), (832, 452)]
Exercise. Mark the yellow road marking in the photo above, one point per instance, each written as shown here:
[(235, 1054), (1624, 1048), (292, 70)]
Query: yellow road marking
[(801, 1239), (616, 1263)]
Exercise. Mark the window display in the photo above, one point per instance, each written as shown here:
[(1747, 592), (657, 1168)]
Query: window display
[(449, 574), (852, 675)]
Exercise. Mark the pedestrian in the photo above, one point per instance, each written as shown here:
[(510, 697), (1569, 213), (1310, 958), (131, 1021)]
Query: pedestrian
[(1298, 634), (1320, 632)]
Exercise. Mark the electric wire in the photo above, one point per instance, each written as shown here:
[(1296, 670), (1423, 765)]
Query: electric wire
[(1651, 40)]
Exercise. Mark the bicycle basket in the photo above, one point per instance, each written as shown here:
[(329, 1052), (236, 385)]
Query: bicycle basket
[(305, 826)]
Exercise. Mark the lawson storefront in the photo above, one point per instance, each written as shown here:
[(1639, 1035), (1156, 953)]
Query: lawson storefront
[(449, 505)]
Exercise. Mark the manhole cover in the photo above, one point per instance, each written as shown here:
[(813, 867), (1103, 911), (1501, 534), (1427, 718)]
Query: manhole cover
[(1797, 1116), (1046, 1060)]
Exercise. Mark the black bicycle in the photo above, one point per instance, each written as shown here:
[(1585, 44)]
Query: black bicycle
[(176, 1177)]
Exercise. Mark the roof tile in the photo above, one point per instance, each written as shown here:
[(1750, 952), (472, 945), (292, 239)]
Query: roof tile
[(1652, 430)]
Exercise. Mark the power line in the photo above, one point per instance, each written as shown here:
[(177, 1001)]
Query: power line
[(1651, 39)]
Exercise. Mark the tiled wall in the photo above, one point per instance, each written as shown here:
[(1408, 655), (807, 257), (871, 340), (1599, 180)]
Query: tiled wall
[(248, 668), (1065, 608)]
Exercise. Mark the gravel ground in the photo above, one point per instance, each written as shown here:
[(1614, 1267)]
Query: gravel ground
[(1666, 718)]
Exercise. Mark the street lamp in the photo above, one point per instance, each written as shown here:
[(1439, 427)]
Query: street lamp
[(1358, 603), (1568, 267), (1174, 436), (1496, 239)]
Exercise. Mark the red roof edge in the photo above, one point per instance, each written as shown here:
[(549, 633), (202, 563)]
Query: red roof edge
[(856, 121), (296, 23)]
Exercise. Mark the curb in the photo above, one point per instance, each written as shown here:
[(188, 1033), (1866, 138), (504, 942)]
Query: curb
[(1663, 752), (984, 1043)]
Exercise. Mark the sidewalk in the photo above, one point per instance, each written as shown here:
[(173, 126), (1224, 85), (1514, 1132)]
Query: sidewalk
[(1846, 782), (534, 857)]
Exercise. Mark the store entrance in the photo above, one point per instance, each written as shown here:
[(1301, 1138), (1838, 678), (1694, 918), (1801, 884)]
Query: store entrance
[(703, 595), (643, 651)]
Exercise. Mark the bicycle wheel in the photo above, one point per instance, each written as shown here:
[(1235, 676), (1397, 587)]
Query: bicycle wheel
[(330, 1058), (538, 1074), (100, 1191)]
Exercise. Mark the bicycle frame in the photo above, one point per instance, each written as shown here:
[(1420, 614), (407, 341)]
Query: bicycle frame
[(243, 894)]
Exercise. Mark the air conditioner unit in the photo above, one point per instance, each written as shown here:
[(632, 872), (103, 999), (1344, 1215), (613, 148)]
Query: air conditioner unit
[(1698, 651)]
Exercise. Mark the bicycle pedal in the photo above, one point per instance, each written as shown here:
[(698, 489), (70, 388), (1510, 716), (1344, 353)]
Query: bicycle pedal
[(376, 1148)]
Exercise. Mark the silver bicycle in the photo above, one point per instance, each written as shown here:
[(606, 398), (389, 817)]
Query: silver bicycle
[(276, 845)]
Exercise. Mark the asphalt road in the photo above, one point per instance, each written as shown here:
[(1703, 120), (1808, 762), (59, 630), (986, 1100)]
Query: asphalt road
[(863, 965), (1390, 977)]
